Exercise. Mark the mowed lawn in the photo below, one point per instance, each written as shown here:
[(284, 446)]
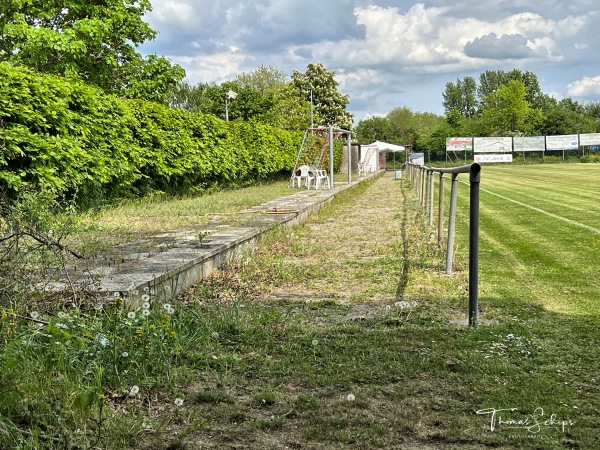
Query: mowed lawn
[(540, 268), (540, 230)]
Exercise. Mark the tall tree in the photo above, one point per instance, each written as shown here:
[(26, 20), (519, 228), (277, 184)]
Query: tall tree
[(292, 111), (507, 111), (263, 78), (461, 97), (374, 129), (93, 40), (329, 103), (491, 80)]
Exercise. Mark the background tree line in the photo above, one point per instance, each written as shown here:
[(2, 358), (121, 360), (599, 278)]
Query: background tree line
[(500, 104)]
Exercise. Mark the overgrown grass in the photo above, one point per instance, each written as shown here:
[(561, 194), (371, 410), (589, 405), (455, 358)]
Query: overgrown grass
[(137, 218)]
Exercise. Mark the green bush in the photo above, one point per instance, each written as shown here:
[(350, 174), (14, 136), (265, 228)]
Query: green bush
[(65, 136), (590, 159)]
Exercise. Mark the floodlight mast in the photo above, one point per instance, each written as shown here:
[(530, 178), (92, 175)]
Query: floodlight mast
[(230, 95), (312, 121)]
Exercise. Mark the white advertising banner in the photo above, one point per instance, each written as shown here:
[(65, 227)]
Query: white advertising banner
[(529, 143), (508, 157), (589, 139), (492, 144), (562, 142), (459, 144)]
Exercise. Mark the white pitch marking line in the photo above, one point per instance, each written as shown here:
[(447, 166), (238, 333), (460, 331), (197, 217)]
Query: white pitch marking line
[(564, 219)]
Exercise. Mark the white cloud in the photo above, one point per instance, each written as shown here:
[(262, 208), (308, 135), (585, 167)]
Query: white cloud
[(386, 53), (430, 39), (173, 12), (217, 67), (586, 86)]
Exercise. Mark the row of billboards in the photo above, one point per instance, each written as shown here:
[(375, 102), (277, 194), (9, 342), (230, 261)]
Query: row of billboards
[(521, 143)]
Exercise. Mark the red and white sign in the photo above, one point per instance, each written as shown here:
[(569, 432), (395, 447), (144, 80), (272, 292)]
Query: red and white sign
[(454, 144), (494, 158)]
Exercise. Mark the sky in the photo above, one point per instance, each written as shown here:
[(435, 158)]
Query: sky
[(385, 54)]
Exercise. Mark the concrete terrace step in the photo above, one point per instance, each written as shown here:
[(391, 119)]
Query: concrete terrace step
[(175, 260)]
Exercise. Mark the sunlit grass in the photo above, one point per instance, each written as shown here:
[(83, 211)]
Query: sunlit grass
[(133, 219)]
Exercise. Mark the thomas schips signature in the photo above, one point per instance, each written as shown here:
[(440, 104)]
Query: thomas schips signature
[(534, 422)]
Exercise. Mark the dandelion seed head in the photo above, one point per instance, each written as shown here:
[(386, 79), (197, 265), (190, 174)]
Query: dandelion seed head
[(145, 312), (350, 397), (134, 390), (146, 305), (131, 315), (145, 298), (116, 294), (179, 401), (34, 314), (315, 342), (124, 354)]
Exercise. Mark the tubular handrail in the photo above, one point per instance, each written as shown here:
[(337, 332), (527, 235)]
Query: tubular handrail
[(421, 177)]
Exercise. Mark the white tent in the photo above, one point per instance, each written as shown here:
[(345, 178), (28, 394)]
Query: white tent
[(385, 147)]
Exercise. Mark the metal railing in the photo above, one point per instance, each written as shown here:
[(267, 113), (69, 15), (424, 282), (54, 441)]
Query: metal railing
[(421, 177)]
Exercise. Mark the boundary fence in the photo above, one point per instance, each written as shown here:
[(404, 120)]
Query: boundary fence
[(421, 178)]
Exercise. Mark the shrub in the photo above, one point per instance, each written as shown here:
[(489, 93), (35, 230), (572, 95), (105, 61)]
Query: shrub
[(62, 135)]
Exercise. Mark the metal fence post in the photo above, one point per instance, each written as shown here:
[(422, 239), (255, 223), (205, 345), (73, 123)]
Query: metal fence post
[(441, 210), (425, 202), (430, 198), (423, 187), (451, 224), (475, 178), (419, 185)]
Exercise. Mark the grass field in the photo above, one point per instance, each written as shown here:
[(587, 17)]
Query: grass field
[(540, 226), (342, 333)]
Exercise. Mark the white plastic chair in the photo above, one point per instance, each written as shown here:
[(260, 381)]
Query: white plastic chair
[(320, 176), (303, 173)]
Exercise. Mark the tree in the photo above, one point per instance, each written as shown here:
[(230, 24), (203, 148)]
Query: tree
[(94, 41), (292, 111), (507, 112), (374, 129), (329, 103), (568, 117), (187, 97), (461, 97), (264, 79), (491, 80), (248, 105)]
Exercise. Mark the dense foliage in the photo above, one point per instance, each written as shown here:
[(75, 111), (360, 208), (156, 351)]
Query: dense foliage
[(264, 95), (67, 136), (93, 41)]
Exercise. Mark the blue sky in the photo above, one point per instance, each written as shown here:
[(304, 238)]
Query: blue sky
[(385, 53)]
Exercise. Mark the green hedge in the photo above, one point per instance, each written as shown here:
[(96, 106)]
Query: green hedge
[(64, 135)]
